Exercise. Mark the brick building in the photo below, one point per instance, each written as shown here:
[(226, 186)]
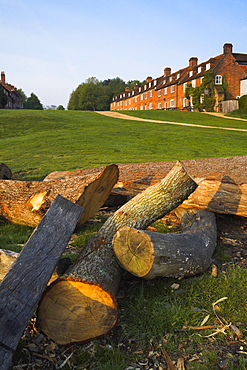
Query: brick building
[(168, 90), (9, 97)]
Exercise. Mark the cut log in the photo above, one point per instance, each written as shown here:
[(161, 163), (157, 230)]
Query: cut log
[(7, 258), (25, 202), (5, 172), (82, 306), (25, 282), (227, 174), (149, 254)]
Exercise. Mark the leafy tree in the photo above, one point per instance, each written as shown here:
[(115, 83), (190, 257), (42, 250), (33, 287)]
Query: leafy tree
[(60, 107), (23, 95), (94, 94), (33, 102)]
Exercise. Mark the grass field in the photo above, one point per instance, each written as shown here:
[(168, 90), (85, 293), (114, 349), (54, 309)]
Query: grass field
[(35, 143), (153, 314)]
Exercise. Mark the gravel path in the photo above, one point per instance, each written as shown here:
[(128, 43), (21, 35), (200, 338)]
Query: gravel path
[(125, 116)]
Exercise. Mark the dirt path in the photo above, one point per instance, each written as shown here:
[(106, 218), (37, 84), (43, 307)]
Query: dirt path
[(125, 116)]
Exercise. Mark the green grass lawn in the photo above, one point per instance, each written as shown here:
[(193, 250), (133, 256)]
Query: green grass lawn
[(35, 143), (151, 313)]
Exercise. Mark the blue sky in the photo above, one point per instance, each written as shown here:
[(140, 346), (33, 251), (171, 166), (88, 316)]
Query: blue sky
[(50, 47)]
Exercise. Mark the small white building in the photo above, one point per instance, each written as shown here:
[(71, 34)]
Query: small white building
[(243, 86)]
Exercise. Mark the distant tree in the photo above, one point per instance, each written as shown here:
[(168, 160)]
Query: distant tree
[(23, 95), (94, 94), (33, 102), (60, 107)]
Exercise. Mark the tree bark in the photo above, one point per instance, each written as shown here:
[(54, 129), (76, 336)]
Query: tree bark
[(25, 282), (84, 300), (222, 182), (150, 254), (26, 202)]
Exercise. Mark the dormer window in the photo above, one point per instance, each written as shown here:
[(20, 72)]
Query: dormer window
[(208, 66), (218, 80), (178, 75), (199, 69), (133, 92), (170, 79), (155, 82), (145, 87), (150, 84), (191, 74), (164, 82)]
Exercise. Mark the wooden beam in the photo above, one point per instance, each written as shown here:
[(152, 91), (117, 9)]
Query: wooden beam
[(22, 287)]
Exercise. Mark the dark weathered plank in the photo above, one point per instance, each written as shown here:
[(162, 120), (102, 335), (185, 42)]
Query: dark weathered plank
[(25, 282)]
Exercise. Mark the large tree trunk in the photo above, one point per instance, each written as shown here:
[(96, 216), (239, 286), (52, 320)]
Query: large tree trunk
[(25, 282), (150, 254), (222, 182), (26, 202), (84, 300)]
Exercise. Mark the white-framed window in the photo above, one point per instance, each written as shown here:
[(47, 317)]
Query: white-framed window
[(201, 98), (145, 95), (141, 107), (121, 103), (114, 103), (185, 103), (184, 87), (202, 79), (193, 83), (170, 78), (159, 105), (136, 99), (150, 84), (172, 89), (145, 87), (129, 101), (172, 103), (133, 92), (208, 66), (165, 91), (164, 82), (159, 93), (178, 75), (151, 106), (155, 82), (121, 96), (140, 89), (141, 96), (129, 94), (218, 80), (199, 69), (151, 94), (125, 102)]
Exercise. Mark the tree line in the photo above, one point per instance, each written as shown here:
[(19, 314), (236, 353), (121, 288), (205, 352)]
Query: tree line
[(94, 94)]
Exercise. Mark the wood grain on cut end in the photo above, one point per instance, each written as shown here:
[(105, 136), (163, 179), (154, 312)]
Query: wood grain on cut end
[(76, 311), (135, 250)]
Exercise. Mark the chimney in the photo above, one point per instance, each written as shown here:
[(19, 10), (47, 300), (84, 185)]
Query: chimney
[(148, 79), (3, 77), (193, 61), (227, 48), (167, 71)]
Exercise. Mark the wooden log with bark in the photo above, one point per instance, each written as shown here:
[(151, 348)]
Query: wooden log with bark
[(26, 202), (25, 282), (149, 254), (82, 305), (222, 184)]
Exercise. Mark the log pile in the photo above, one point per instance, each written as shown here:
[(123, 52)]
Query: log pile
[(81, 304), (222, 182), (84, 300)]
